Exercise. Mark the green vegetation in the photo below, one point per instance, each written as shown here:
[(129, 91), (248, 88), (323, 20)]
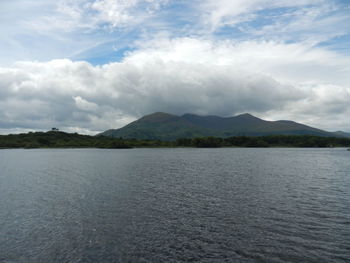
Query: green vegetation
[(266, 141), (57, 139)]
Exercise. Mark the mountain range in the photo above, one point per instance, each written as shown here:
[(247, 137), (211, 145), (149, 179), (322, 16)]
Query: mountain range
[(167, 127)]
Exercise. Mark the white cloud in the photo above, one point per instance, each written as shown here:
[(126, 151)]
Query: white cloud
[(119, 12), (109, 14), (85, 105), (296, 62), (89, 29), (313, 24), (311, 21), (218, 13), (269, 79), (45, 30)]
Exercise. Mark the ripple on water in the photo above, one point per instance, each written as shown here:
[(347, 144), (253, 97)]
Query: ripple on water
[(175, 205)]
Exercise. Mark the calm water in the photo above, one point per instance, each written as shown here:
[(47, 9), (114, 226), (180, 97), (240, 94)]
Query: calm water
[(175, 205)]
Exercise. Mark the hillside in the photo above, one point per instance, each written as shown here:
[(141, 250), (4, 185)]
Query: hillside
[(164, 126), (160, 126)]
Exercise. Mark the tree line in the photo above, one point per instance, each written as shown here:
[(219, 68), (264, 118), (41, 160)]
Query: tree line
[(58, 139), (266, 141)]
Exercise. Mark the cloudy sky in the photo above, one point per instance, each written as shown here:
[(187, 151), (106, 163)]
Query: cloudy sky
[(91, 65)]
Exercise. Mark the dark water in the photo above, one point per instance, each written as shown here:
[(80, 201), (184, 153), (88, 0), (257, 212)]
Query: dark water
[(175, 205)]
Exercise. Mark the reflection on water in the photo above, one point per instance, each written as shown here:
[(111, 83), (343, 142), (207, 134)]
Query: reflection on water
[(175, 205)]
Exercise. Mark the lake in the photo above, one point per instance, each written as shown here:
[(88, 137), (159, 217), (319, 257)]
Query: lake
[(175, 205)]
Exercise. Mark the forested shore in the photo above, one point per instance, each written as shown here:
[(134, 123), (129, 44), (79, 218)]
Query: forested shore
[(58, 139)]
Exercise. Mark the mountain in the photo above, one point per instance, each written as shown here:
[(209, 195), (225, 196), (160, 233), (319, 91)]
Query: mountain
[(164, 126), (159, 126)]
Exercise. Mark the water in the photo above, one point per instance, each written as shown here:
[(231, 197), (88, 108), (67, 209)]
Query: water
[(175, 205)]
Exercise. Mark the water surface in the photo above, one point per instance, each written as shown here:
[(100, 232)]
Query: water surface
[(175, 205)]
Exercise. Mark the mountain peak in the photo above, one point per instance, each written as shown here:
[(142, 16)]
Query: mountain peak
[(246, 115), (188, 115)]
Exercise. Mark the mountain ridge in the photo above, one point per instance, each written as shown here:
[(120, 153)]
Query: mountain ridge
[(166, 126)]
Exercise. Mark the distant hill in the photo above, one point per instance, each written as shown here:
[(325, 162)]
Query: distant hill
[(342, 134), (164, 126)]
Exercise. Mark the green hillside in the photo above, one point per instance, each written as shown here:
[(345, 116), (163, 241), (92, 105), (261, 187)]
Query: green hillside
[(160, 126)]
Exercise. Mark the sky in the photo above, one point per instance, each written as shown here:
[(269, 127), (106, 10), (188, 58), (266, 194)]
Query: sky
[(90, 65)]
